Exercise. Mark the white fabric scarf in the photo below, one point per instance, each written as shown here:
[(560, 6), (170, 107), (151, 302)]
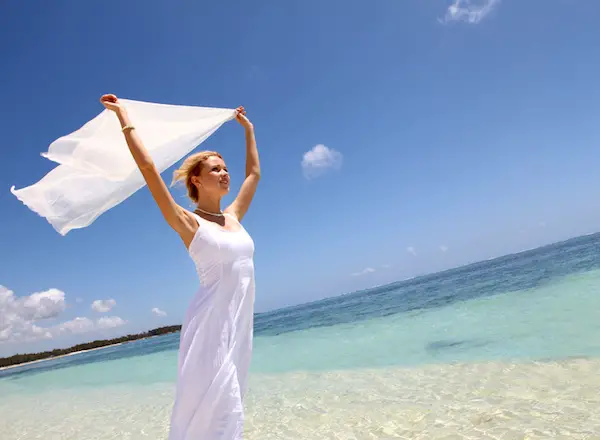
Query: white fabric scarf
[(97, 170)]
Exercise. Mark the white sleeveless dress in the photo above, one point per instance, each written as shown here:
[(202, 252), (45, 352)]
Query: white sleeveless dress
[(216, 337)]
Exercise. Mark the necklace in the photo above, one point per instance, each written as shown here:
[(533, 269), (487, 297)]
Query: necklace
[(216, 214)]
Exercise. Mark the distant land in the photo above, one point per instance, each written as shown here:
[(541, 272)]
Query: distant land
[(18, 359)]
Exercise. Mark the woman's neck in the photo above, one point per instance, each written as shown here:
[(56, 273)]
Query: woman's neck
[(209, 204)]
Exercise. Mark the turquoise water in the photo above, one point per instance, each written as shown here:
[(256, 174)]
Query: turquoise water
[(540, 304)]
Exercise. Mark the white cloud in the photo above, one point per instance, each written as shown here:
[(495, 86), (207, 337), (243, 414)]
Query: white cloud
[(35, 307), (411, 250), (24, 331), (470, 11), (159, 312), (103, 305), (444, 248), (365, 271), (18, 316), (317, 161)]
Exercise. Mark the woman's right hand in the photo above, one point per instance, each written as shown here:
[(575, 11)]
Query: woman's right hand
[(112, 103)]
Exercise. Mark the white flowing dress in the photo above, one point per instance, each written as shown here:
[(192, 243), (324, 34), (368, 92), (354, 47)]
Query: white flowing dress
[(216, 337)]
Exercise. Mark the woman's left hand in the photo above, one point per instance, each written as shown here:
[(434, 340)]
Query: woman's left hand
[(242, 119)]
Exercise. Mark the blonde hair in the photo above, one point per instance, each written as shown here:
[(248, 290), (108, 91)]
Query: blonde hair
[(191, 167)]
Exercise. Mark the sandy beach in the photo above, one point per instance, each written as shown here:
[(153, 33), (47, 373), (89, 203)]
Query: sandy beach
[(61, 356), (491, 400)]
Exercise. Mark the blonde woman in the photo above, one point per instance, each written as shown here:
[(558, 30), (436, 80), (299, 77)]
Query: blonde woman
[(216, 336)]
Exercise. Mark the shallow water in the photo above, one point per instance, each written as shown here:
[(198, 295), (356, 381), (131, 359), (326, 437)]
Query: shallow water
[(491, 400)]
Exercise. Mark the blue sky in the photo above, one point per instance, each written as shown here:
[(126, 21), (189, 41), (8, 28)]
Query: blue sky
[(444, 133)]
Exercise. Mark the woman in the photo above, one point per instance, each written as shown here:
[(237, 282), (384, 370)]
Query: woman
[(216, 337)]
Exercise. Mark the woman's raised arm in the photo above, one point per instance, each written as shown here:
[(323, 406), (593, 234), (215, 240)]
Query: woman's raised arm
[(240, 205), (175, 215)]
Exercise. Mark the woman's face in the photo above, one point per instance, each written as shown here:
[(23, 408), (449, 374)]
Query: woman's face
[(214, 177)]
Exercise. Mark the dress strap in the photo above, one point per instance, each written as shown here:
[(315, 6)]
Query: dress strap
[(198, 219), (232, 216)]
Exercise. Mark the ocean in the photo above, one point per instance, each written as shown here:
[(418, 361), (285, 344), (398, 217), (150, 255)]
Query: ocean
[(502, 349)]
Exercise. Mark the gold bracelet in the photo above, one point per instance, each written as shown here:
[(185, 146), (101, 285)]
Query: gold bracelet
[(127, 127)]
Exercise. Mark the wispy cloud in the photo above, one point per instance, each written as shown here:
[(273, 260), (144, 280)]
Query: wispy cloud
[(158, 312), (365, 271), (86, 325), (444, 248), (110, 322), (470, 11), (411, 250), (319, 160), (103, 305), (77, 325)]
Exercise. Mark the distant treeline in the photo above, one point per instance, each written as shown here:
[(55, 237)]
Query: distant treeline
[(22, 358)]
